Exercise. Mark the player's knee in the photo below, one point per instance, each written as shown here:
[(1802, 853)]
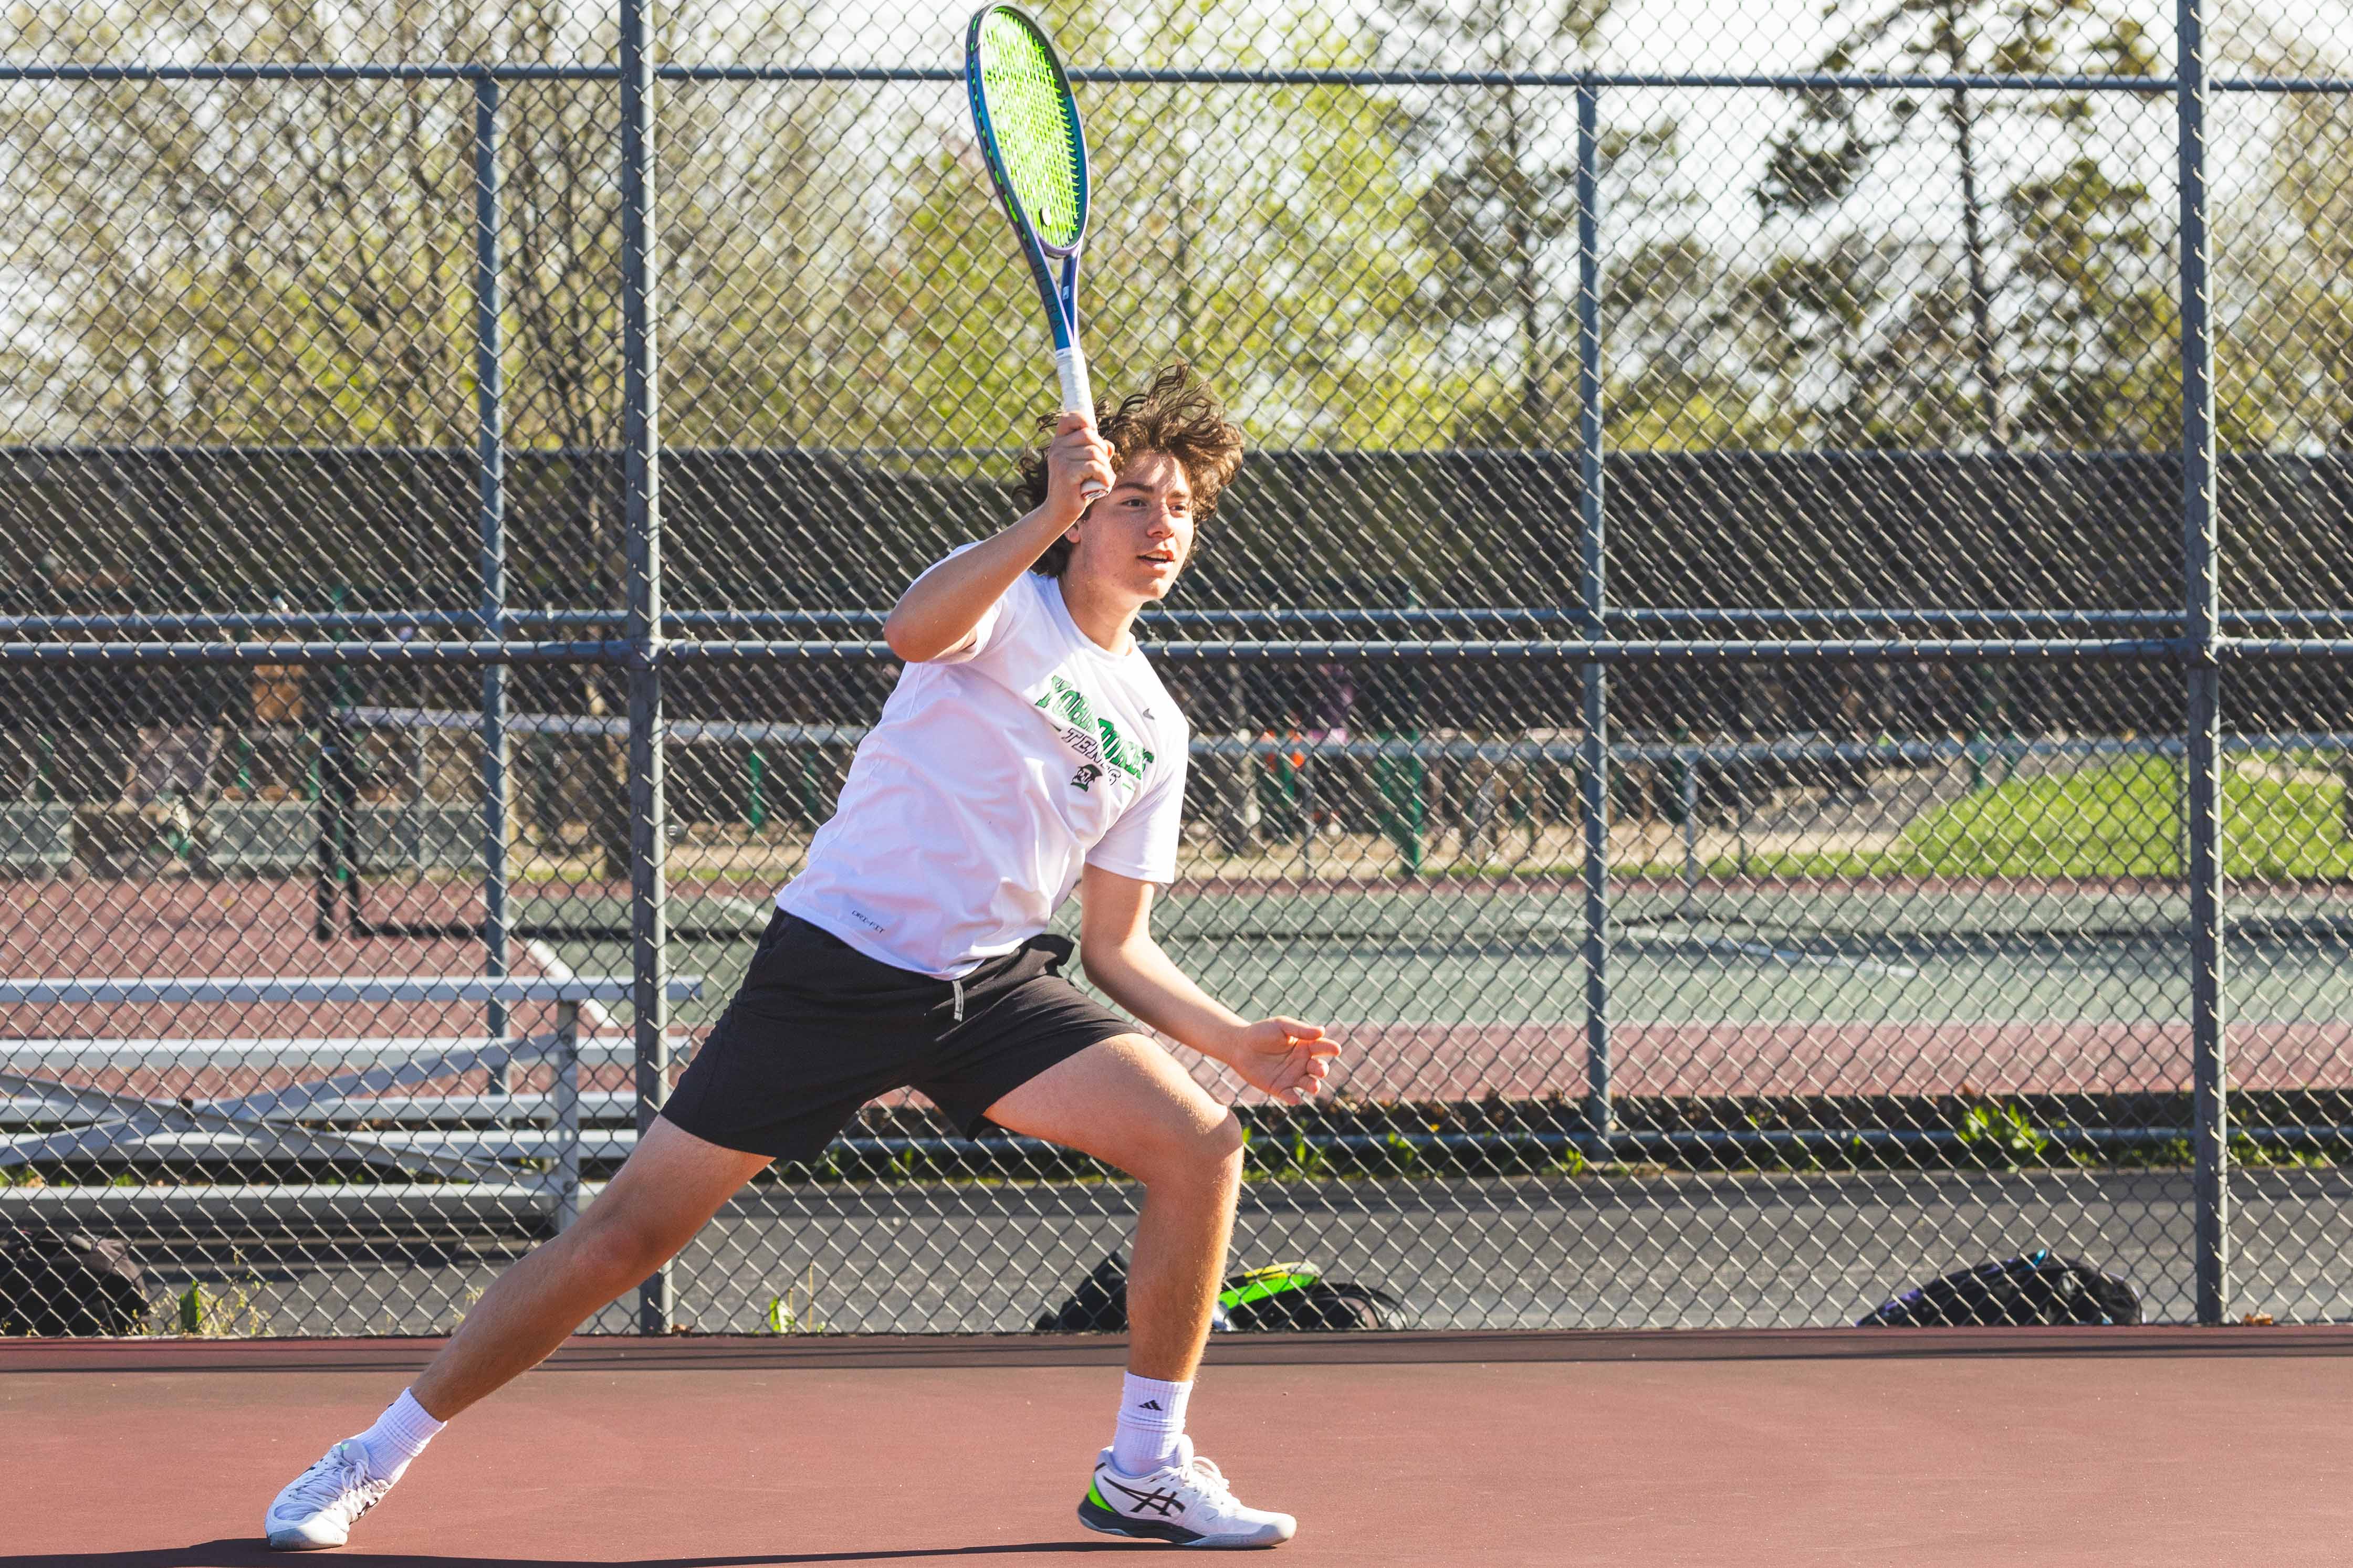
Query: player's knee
[(618, 1250), (1209, 1153), (1226, 1140)]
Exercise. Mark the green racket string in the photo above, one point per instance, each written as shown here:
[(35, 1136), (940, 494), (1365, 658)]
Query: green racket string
[(1037, 129)]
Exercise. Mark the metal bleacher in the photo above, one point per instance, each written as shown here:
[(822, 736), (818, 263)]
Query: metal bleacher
[(382, 1103)]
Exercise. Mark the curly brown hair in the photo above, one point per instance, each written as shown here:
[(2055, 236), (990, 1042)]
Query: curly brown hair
[(1176, 413)]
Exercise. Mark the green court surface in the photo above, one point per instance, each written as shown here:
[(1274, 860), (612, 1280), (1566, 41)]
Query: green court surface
[(2023, 986)]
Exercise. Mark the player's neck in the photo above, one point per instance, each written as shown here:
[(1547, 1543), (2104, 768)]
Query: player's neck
[(1103, 616)]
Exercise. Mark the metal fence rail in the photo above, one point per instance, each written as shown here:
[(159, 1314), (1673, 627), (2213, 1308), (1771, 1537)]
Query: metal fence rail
[(1779, 663)]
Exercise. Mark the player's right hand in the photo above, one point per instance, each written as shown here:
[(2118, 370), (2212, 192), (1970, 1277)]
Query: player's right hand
[(1286, 1057), (1078, 466)]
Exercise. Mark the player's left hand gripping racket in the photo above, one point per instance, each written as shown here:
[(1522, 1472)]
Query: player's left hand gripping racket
[(1029, 130)]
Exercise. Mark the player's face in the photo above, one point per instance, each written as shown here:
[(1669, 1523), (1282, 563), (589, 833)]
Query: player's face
[(1137, 538)]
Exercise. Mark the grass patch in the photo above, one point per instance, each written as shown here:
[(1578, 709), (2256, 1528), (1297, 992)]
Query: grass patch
[(221, 1308), (2124, 819), (2119, 819)]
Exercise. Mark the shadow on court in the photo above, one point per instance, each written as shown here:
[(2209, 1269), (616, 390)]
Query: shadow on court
[(249, 1554)]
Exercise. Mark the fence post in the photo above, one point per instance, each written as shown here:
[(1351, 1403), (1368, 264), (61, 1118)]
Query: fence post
[(329, 884), (564, 1122), (1593, 773), (2203, 757), (1687, 802), (1305, 776), (489, 414), (642, 491)]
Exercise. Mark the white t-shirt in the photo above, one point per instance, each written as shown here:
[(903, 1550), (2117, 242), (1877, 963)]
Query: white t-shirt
[(997, 771)]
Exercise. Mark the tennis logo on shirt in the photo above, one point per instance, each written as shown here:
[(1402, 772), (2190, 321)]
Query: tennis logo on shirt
[(1096, 739)]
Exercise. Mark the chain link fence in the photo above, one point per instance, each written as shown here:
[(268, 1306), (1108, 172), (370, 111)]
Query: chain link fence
[(1779, 666)]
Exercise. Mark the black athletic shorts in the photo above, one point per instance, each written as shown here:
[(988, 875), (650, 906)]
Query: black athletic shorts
[(819, 1029)]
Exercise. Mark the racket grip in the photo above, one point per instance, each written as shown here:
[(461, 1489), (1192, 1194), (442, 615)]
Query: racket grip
[(1078, 393), (1078, 397)]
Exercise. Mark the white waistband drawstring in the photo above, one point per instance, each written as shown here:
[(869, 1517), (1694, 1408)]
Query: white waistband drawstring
[(957, 985)]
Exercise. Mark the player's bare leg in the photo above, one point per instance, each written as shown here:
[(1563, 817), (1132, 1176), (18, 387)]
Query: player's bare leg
[(1127, 1103), (668, 1189)]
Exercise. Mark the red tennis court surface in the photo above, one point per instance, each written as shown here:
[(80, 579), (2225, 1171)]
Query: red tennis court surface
[(1925, 1447), (1471, 1061)]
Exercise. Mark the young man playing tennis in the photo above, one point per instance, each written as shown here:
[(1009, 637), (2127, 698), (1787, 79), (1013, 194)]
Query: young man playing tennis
[(1028, 750)]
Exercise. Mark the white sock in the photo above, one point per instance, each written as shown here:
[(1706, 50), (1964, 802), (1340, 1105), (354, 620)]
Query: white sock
[(398, 1435), (1151, 1419)]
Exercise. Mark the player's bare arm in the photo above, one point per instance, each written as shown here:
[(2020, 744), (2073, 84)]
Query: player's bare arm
[(1285, 1057), (939, 610)]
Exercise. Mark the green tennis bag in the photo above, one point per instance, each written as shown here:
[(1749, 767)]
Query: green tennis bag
[(1280, 1296)]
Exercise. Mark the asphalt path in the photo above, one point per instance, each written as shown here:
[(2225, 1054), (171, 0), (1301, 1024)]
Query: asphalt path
[(1644, 1251)]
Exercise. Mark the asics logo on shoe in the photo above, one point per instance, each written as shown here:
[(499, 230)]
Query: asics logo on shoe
[(1159, 1499)]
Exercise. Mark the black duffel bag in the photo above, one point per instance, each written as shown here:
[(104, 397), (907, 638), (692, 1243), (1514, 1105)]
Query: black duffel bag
[(63, 1282), (2040, 1288)]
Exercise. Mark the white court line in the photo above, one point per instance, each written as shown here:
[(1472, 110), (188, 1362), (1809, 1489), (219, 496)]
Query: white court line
[(1765, 950)]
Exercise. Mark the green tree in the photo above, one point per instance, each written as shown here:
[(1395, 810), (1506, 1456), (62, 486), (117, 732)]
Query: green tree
[(1261, 246), (1689, 361), (1278, 269), (1808, 314), (292, 264), (2285, 275), (255, 262), (1841, 140), (2097, 327), (1500, 191), (763, 278)]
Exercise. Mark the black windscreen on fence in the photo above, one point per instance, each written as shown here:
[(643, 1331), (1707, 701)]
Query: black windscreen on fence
[(111, 529), (1358, 544)]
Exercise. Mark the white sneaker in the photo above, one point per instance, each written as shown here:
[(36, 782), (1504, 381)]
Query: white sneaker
[(1186, 1502), (319, 1509)]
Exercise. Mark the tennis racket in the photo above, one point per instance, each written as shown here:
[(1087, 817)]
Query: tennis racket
[(1028, 128)]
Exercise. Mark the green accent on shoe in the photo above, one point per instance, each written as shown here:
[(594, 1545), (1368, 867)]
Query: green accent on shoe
[(1096, 1496)]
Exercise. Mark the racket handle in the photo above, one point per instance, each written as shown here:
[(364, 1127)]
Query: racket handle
[(1078, 393), (1078, 397)]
